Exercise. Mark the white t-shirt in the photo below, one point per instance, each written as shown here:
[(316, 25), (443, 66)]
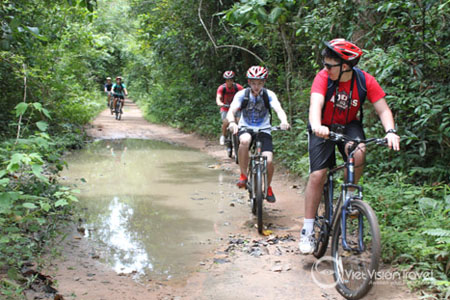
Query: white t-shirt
[(255, 115)]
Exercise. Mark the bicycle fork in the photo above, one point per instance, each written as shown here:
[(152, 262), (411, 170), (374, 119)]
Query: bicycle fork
[(347, 213), (258, 162), (345, 210)]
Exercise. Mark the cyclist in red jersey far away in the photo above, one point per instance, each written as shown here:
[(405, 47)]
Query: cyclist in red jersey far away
[(346, 88), (225, 94)]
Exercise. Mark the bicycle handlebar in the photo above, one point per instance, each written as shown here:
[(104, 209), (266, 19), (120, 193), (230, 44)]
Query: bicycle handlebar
[(338, 137), (272, 128)]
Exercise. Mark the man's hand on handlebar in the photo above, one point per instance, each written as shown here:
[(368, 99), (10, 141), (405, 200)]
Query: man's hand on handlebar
[(284, 126), (233, 127), (393, 141), (321, 131)]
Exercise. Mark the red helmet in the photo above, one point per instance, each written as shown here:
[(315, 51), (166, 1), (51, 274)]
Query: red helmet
[(257, 72), (119, 77), (228, 75), (349, 52)]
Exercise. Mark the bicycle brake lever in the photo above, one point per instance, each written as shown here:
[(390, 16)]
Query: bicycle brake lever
[(382, 141), (333, 136)]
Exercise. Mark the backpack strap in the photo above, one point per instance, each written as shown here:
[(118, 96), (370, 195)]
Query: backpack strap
[(331, 88), (246, 98), (224, 90), (267, 103), (362, 90)]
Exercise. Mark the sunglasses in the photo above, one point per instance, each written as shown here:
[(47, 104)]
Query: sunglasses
[(329, 66)]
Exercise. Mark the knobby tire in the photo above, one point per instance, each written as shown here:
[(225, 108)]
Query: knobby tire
[(374, 246), (259, 197), (321, 226), (229, 145)]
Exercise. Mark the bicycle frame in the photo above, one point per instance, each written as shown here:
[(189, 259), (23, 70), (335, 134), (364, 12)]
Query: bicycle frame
[(258, 160), (343, 207)]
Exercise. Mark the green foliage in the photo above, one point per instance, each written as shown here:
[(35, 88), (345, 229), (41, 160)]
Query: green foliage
[(52, 59), (32, 203), (414, 223)]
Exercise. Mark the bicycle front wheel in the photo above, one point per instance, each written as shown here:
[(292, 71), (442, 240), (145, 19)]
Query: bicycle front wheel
[(229, 145), (355, 270), (235, 142), (259, 198), (321, 226)]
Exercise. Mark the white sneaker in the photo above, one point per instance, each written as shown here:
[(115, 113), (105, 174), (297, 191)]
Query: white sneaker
[(222, 140), (307, 243)]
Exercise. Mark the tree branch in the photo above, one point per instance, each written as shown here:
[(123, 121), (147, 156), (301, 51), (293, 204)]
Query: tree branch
[(24, 100), (223, 46)]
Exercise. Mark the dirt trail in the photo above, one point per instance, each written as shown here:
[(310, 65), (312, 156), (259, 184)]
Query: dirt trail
[(265, 268)]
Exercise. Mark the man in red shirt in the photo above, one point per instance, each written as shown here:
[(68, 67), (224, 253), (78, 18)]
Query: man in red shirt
[(339, 113), (224, 97)]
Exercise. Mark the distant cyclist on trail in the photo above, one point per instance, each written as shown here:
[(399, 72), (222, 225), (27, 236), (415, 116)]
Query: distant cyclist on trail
[(119, 91), (107, 87), (225, 94), (256, 104), (337, 94)]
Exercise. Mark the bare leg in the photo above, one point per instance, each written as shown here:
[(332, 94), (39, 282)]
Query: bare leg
[(313, 193), (224, 126), (270, 167), (244, 145)]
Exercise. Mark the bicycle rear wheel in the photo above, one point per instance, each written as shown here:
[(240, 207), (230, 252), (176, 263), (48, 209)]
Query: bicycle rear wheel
[(259, 198), (321, 226), (354, 271)]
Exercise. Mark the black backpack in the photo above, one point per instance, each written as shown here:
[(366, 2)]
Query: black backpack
[(265, 96), (224, 89), (362, 91)]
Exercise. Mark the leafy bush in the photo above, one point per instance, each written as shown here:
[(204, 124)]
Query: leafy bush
[(414, 223)]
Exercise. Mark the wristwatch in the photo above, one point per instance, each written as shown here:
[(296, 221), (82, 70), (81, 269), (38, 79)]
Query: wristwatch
[(391, 131)]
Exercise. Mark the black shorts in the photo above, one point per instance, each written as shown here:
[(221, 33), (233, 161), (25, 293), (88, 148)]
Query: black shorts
[(322, 151), (119, 97), (265, 138)]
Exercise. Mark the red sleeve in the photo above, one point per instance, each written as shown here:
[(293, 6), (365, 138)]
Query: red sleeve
[(239, 87), (220, 90), (320, 83), (374, 90)]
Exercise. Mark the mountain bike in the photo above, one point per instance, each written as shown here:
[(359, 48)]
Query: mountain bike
[(232, 143), (118, 110), (353, 225), (257, 184)]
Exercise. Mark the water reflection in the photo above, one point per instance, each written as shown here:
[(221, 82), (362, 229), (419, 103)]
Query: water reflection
[(150, 206)]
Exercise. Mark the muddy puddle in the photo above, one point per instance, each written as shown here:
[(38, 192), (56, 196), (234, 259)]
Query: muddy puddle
[(151, 208)]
